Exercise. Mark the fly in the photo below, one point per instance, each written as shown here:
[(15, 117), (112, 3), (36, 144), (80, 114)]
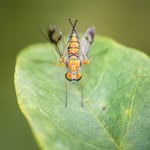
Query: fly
[(74, 55)]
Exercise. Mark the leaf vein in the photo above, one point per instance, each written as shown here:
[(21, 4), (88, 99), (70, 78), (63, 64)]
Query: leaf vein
[(131, 107)]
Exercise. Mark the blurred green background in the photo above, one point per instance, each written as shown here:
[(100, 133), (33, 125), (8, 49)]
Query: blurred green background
[(126, 21)]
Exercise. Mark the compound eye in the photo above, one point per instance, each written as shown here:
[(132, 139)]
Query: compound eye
[(73, 77), (79, 76), (68, 76)]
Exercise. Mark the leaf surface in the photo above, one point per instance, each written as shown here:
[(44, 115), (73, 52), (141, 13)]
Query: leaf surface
[(116, 94)]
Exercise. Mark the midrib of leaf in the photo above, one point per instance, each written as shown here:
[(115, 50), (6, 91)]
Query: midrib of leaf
[(131, 108)]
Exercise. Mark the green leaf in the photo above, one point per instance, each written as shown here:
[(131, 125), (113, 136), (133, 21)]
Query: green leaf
[(116, 94)]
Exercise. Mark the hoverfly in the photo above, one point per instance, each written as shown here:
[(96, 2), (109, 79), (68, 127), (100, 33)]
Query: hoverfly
[(74, 55)]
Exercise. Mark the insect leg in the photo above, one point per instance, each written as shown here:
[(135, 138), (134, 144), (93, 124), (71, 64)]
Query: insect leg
[(81, 88), (66, 92)]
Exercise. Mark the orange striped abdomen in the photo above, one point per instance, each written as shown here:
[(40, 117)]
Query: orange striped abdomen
[(73, 47)]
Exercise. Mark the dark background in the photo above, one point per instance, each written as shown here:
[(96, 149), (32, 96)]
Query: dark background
[(126, 21)]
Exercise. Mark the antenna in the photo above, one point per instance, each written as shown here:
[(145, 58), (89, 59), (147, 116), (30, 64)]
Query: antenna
[(73, 24)]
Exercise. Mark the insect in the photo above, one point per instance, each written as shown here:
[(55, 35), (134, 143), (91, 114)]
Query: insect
[(74, 55)]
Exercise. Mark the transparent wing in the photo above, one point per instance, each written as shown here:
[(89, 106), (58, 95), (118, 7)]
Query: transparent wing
[(86, 42), (55, 37)]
